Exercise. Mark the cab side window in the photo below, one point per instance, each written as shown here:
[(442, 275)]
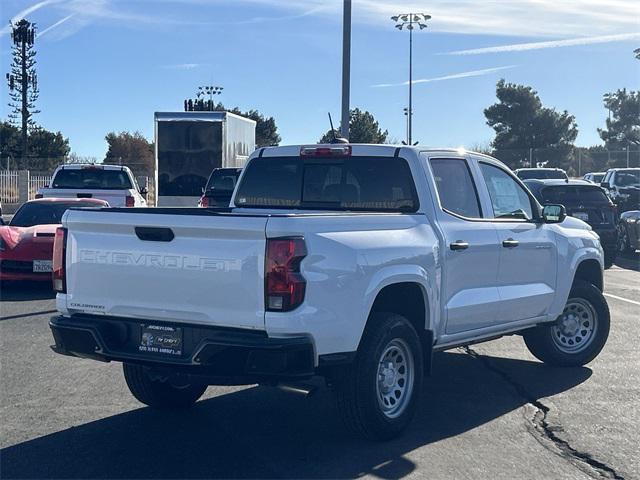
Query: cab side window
[(456, 190), (508, 199)]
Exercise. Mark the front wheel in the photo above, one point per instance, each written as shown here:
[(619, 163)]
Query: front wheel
[(624, 245), (579, 333), (160, 394), (378, 394)]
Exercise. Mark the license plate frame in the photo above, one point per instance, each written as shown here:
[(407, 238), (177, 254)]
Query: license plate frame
[(584, 216), (42, 266), (165, 340)]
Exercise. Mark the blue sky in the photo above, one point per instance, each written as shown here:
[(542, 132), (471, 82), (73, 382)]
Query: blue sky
[(107, 65)]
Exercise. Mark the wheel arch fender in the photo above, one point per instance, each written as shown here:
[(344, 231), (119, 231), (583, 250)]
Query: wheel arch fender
[(402, 275), (586, 263)]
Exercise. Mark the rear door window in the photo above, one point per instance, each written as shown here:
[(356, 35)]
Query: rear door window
[(352, 183), (456, 190)]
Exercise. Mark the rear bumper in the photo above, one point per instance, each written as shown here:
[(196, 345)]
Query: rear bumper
[(21, 270), (25, 277), (215, 355)]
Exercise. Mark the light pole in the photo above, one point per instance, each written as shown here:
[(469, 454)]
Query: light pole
[(406, 114), (409, 20), (209, 90), (346, 68), (199, 105)]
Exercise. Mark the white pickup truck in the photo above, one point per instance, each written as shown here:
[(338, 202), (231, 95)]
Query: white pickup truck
[(113, 183), (351, 262)]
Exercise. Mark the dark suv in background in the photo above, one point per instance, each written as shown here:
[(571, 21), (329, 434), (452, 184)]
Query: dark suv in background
[(219, 188), (584, 201)]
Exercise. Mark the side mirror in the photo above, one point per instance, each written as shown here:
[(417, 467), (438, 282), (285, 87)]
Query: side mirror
[(554, 213), (144, 191), (604, 185)]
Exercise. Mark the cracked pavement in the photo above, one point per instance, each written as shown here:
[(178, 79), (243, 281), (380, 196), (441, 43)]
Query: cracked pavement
[(489, 411)]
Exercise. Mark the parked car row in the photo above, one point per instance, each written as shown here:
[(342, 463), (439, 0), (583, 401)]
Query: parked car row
[(584, 201)]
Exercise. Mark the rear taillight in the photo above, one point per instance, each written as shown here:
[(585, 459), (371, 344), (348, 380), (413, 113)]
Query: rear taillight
[(130, 201), (59, 260), (204, 201), (284, 284)]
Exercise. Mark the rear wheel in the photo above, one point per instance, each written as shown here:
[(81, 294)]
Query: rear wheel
[(377, 395), (624, 245), (579, 333), (160, 394)]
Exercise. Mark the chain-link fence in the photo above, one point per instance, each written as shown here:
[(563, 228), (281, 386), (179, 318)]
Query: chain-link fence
[(576, 161)]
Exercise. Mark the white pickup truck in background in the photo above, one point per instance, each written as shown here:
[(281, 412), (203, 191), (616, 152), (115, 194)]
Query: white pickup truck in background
[(113, 183), (352, 262)]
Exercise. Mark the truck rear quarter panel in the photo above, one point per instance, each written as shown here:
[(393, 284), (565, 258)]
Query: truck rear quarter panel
[(351, 259)]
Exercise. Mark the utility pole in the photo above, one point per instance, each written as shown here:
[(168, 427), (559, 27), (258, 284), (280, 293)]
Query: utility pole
[(346, 68), (628, 154), (408, 20), (22, 80)]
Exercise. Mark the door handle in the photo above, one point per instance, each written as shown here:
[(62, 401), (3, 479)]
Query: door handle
[(510, 243), (458, 245), (154, 234)]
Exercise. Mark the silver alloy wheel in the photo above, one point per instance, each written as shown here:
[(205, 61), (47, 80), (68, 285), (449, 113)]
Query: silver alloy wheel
[(395, 378), (576, 328)]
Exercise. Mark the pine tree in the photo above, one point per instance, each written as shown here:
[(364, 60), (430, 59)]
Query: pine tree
[(22, 80)]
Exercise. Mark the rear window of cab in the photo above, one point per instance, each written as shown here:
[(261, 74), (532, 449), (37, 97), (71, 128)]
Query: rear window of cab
[(352, 183), (92, 178)]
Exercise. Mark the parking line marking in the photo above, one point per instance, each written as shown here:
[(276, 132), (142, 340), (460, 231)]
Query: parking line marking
[(622, 299)]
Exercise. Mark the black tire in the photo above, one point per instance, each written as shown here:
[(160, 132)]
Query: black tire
[(624, 246), (609, 257), (360, 397), (157, 393), (586, 314)]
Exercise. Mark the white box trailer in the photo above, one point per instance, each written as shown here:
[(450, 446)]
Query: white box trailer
[(189, 145)]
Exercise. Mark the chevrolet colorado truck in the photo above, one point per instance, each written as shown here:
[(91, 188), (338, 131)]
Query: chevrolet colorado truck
[(114, 184), (350, 262)]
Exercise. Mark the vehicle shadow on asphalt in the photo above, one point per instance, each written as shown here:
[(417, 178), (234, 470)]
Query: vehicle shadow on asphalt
[(264, 432), (26, 291)]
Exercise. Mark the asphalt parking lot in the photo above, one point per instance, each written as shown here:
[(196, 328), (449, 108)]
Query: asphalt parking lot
[(490, 411)]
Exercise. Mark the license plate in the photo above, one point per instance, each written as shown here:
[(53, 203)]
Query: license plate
[(581, 216), (42, 266), (161, 339)]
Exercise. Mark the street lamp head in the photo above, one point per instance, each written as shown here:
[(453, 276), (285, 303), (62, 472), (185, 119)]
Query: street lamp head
[(395, 18), (399, 26)]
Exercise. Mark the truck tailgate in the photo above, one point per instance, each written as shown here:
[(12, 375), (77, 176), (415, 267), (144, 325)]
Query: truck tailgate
[(126, 264), (115, 198)]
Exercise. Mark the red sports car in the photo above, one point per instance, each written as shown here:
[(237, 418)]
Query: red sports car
[(26, 244)]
